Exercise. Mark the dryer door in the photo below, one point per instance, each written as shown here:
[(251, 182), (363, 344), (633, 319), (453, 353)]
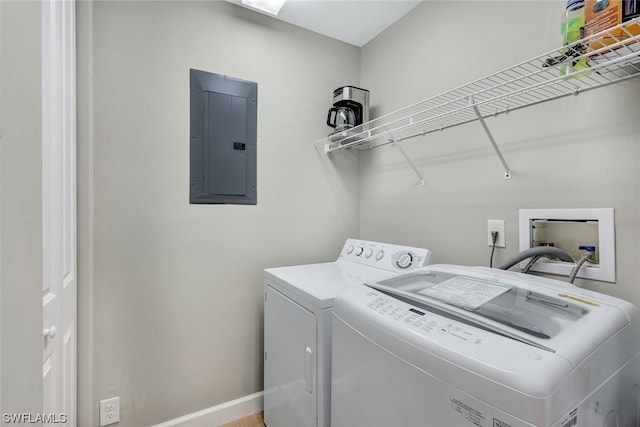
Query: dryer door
[(290, 362)]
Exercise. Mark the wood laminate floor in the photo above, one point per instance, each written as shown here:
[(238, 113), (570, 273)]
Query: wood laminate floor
[(254, 420)]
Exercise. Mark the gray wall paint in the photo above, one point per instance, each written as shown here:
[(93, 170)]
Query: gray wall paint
[(176, 289), (85, 218), (578, 152), (20, 208)]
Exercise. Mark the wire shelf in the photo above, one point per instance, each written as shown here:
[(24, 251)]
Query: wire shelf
[(610, 56)]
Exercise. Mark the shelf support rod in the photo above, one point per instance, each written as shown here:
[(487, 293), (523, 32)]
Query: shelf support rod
[(507, 169), (396, 143)]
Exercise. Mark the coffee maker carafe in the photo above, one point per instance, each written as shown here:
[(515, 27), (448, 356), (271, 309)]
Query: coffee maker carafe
[(350, 108)]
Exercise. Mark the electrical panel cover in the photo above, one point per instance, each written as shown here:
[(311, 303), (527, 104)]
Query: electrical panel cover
[(223, 139)]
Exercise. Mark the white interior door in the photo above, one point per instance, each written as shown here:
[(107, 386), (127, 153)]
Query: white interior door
[(59, 285)]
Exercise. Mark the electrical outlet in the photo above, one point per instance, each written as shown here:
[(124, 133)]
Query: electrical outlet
[(497, 225), (110, 411)]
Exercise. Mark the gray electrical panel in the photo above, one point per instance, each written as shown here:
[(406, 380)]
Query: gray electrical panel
[(223, 139)]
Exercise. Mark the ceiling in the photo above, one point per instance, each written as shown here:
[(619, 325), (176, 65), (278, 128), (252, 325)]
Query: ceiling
[(351, 21)]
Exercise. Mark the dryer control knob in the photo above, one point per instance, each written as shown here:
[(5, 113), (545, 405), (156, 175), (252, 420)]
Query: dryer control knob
[(379, 255), (350, 249), (359, 251), (368, 253), (405, 260)]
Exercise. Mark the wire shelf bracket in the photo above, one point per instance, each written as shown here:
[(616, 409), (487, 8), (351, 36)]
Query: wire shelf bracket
[(396, 144), (507, 169)]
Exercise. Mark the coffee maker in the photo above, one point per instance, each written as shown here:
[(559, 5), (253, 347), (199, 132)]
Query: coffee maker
[(350, 108)]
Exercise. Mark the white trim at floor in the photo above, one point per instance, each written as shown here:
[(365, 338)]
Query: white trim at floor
[(220, 414)]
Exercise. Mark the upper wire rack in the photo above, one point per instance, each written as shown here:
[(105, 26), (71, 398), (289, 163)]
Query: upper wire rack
[(612, 55)]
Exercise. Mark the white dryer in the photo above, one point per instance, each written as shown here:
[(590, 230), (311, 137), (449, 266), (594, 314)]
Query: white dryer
[(451, 346), (297, 326)]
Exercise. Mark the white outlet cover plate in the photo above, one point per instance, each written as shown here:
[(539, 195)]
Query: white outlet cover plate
[(499, 226), (605, 271), (109, 411)]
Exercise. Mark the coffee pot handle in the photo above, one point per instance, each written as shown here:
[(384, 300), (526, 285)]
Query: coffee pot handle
[(329, 121)]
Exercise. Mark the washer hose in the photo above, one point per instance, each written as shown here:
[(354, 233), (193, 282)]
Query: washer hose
[(574, 272), (536, 252)]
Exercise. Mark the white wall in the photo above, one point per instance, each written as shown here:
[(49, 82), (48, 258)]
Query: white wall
[(20, 208), (174, 290), (85, 217), (578, 152)]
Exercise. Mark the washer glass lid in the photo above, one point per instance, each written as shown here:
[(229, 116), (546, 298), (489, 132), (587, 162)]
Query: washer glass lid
[(497, 304)]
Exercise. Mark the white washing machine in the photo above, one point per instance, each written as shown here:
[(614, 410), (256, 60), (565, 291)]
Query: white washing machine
[(297, 326), (451, 346)]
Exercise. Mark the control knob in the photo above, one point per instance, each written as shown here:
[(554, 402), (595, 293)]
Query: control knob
[(368, 253), (359, 251), (405, 260)]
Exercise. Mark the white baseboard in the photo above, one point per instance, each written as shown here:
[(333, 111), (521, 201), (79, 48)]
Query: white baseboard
[(220, 414)]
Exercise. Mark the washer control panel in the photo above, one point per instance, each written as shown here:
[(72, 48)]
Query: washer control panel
[(419, 320), (384, 255)]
